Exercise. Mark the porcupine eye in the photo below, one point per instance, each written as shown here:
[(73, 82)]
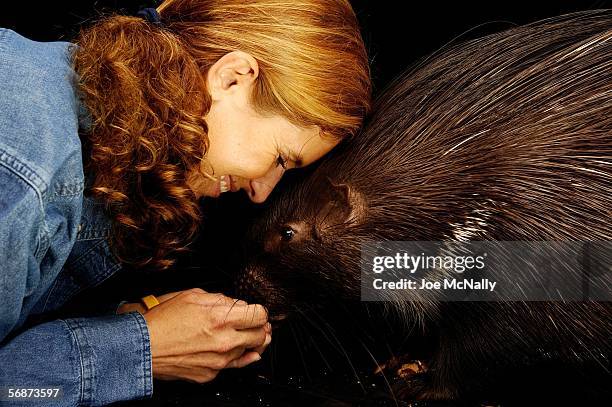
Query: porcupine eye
[(287, 234)]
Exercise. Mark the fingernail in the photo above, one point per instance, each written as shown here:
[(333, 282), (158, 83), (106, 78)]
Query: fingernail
[(268, 327), (257, 358), (268, 339)]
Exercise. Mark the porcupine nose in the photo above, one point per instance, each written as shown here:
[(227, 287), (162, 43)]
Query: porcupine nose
[(245, 288)]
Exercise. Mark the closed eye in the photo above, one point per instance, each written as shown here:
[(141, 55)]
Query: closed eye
[(282, 161)]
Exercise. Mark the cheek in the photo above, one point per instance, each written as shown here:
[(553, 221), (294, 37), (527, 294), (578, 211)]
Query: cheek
[(239, 154), (231, 156), (251, 166)]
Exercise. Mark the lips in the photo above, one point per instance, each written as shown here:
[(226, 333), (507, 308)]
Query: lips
[(224, 183)]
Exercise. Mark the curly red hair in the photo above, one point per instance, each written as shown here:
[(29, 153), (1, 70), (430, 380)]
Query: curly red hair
[(144, 86)]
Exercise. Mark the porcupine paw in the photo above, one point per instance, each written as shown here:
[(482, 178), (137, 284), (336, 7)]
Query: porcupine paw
[(408, 378)]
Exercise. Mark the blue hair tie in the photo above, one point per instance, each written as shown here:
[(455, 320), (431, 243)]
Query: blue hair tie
[(150, 14)]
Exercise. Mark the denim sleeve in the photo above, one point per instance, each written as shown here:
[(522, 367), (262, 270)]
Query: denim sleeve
[(21, 240), (94, 361)]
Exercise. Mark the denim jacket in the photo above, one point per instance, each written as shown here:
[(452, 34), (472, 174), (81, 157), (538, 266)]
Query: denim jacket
[(53, 242)]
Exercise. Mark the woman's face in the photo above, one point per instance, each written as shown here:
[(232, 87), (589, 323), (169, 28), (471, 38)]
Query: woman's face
[(248, 150)]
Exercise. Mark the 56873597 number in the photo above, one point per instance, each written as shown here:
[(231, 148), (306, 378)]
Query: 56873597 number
[(30, 393)]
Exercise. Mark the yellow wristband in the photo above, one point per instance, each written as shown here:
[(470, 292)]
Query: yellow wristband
[(149, 301)]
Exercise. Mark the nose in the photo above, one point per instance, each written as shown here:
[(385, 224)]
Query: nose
[(262, 187)]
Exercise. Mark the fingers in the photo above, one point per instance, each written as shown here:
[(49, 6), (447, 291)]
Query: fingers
[(235, 313), (195, 334), (251, 338), (242, 361), (246, 316), (268, 340)]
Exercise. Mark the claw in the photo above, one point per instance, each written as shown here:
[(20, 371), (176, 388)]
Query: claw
[(411, 368)]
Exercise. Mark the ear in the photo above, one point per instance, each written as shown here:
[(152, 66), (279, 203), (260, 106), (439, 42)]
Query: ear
[(336, 207), (340, 193), (233, 72)]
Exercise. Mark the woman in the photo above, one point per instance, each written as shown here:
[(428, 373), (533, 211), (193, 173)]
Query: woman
[(106, 148)]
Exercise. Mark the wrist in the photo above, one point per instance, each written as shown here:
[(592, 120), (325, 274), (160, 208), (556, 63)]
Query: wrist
[(131, 307)]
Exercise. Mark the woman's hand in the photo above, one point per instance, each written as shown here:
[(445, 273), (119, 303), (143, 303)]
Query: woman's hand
[(195, 334)]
